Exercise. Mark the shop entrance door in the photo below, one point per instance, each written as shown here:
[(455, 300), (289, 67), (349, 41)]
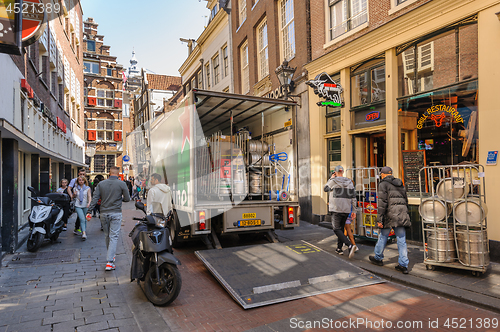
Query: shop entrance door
[(370, 150), (377, 150)]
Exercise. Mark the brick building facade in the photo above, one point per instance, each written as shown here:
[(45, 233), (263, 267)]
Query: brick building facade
[(41, 119), (395, 60), (103, 88)]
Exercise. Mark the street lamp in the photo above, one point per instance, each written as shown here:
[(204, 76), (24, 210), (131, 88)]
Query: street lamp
[(285, 75)]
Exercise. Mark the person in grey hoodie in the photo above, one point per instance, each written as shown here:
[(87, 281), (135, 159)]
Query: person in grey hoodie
[(112, 193), (159, 196), (342, 202)]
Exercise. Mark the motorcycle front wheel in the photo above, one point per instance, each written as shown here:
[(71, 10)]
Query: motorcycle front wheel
[(168, 288), (34, 242)]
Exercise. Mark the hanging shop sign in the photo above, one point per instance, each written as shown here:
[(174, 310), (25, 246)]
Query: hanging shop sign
[(439, 118), (10, 28), (324, 86), (372, 116)]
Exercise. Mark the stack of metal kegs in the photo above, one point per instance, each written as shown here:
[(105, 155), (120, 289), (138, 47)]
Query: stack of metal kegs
[(454, 217)]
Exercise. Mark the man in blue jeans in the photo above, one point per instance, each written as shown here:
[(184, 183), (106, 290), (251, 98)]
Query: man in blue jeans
[(112, 193), (392, 213)]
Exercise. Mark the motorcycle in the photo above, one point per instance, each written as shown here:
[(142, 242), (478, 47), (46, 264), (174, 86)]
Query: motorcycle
[(153, 261), (46, 218)]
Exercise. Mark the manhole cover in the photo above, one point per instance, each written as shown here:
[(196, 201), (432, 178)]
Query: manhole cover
[(45, 257)]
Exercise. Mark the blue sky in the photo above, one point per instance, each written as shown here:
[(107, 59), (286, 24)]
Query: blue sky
[(151, 27)]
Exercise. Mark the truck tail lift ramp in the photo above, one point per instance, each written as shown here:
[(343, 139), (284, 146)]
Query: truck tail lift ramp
[(271, 273)]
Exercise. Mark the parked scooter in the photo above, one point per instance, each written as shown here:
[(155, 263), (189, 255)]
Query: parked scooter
[(46, 218), (153, 261)]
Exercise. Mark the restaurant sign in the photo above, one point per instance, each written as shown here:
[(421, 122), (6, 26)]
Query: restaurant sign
[(439, 118), (324, 86)]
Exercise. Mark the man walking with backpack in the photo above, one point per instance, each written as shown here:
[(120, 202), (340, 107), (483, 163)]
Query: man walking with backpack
[(392, 213), (342, 202), (112, 193)]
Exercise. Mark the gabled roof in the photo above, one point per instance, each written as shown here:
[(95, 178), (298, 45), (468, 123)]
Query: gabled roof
[(163, 82)]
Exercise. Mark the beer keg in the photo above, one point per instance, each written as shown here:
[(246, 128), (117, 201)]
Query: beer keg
[(452, 189), (441, 245), (255, 182), (257, 159), (434, 209), (471, 210), (473, 247), (257, 146)]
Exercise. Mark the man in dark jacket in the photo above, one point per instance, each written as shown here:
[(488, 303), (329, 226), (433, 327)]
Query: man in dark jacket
[(342, 201), (392, 213)]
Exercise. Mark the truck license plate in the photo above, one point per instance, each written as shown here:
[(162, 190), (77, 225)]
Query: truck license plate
[(249, 216), (253, 222)]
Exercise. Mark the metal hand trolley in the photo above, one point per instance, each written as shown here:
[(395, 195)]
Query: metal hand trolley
[(453, 213), (366, 180)]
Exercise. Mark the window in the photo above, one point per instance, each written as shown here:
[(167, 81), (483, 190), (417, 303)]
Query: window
[(213, 12), (263, 58), (287, 29), (193, 83), (207, 71), (200, 80), (334, 151), (99, 163), (370, 75), (105, 130), (225, 62), (439, 61), (109, 71), (215, 64), (110, 162), (245, 72), (346, 15), (91, 67), (242, 5), (400, 1), (91, 45), (105, 98)]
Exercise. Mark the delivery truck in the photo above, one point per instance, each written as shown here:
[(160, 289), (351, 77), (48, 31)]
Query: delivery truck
[(230, 161)]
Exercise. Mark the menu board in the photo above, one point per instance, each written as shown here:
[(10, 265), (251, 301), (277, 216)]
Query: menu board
[(413, 161)]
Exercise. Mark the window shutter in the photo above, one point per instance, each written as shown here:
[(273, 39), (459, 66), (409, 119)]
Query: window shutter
[(91, 101), (91, 135), (118, 103), (118, 136)]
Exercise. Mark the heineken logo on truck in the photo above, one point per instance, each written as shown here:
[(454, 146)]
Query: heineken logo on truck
[(324, 86)]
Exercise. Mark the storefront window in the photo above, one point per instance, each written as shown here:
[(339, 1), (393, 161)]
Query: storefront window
[(368, 76), (334, 153), (439, 61), (332, 120), (445, 124)]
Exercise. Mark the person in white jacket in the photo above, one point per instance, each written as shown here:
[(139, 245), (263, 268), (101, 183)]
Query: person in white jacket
[(159, 196)]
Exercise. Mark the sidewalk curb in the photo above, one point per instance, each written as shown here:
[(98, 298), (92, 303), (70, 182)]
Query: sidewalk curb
[(461, 295)]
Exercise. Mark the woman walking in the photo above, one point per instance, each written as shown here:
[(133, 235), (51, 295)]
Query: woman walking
[(83, 197), (63, 189)]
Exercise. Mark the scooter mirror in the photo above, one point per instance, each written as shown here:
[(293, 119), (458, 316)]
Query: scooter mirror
[(140, 206), (32, 190)]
